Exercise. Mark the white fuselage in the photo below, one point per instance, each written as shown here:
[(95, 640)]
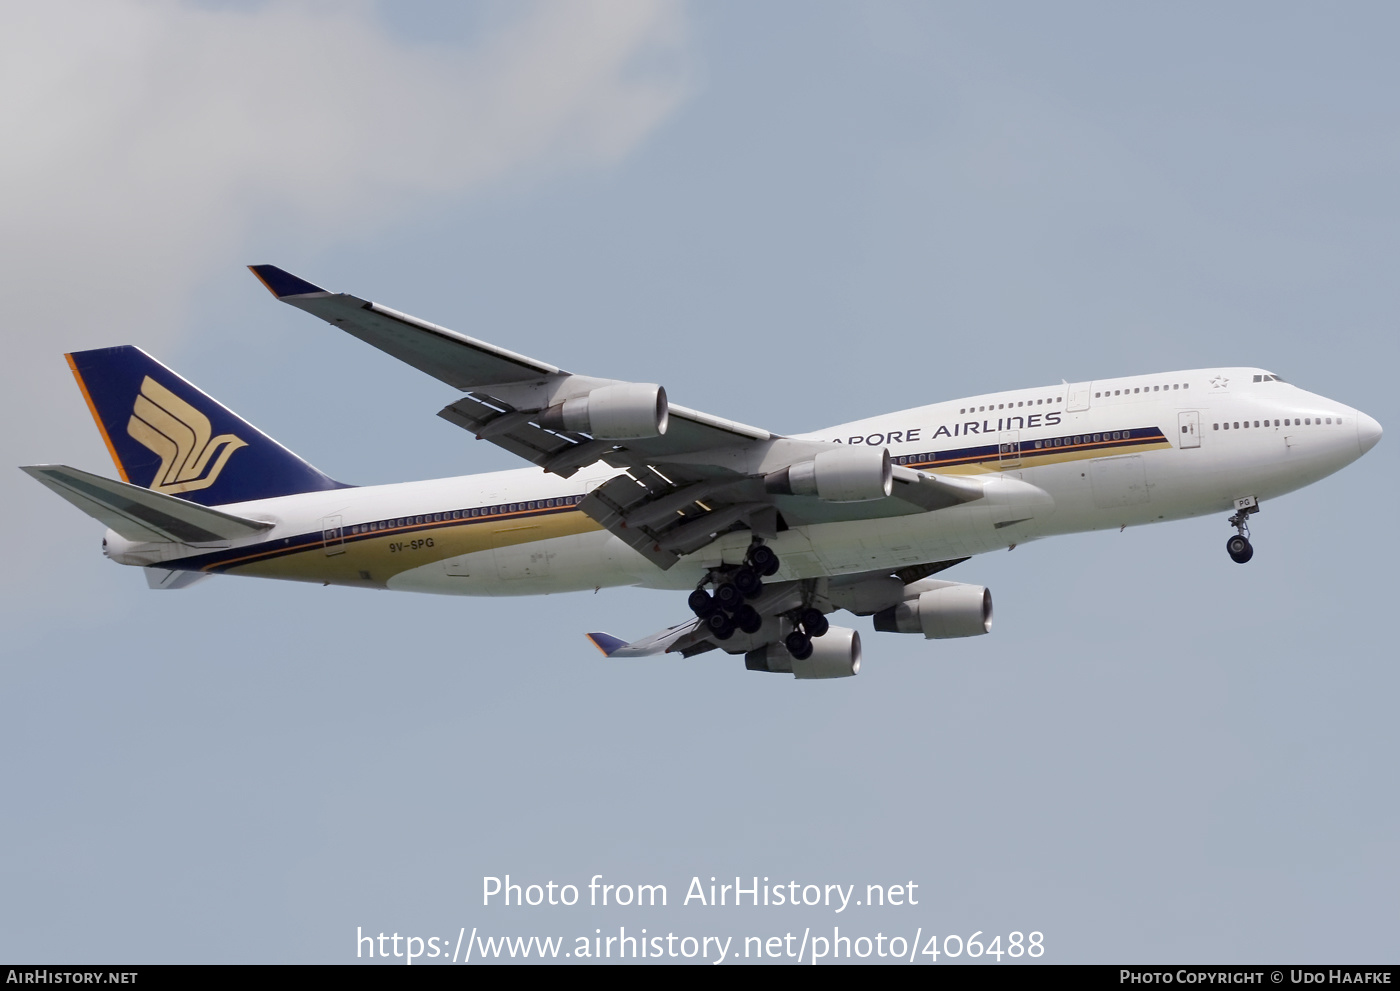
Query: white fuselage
[(1059, 459)]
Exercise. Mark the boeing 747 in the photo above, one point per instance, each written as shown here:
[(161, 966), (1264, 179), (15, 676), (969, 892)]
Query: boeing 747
[(768, 533)]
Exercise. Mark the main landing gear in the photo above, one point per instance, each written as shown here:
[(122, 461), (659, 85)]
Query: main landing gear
[(728, 609), (811, 624), (1238, 547)]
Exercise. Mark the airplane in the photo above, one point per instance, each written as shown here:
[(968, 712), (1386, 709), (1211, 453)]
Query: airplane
[(769, 533)]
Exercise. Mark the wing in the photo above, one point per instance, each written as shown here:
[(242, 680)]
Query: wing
[(690, 476), (782, 607)]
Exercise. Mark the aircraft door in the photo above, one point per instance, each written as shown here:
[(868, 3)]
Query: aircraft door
[(1009, 449), (1189, 433), (333, 535), (1079, 397)]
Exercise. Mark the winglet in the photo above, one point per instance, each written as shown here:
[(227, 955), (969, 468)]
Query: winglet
[(282, 284), (606, 642)]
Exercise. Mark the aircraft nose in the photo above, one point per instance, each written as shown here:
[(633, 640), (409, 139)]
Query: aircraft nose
[(1368, 432)]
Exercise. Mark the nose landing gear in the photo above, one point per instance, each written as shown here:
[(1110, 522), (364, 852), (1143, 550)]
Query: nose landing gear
[(1238, 547)]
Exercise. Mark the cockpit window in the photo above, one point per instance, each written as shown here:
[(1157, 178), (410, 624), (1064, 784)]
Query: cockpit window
[(1266, 377)]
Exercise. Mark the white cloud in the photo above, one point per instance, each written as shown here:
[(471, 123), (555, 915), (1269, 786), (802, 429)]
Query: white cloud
[(144, 139), (141, 132)]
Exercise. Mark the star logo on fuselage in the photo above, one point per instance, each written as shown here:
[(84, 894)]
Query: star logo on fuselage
[(1219, 382)]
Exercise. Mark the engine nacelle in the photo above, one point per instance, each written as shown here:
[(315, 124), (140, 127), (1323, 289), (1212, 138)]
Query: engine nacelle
[(626, 411), (941, 613), (836, 654), (852, 474)]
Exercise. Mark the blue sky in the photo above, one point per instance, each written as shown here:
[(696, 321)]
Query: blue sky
[(789, 214)]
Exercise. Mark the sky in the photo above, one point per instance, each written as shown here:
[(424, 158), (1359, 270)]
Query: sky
[(789, 214)]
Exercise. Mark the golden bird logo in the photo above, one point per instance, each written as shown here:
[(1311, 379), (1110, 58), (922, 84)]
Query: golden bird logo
[(180, 435)]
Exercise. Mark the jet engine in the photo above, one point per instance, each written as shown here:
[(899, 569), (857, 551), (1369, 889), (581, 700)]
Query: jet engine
[(626, 411), (852, 474), (941, 613), (835, 654)]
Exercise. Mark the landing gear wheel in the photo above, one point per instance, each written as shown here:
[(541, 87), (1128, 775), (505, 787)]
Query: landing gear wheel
[(729, 597), (701, 603), (764, 561), (1239, 548), (719, 624), (747, 618), (748, 583), (814, 624), (799, 645)]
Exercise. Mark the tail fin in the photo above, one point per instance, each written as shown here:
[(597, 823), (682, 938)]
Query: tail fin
[(164, 434)]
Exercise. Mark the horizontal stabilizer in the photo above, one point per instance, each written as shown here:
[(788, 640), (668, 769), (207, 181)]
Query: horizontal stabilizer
[(163, 578), (143, 514)]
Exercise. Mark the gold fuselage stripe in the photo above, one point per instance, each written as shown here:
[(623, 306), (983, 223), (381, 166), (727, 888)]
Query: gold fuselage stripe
[(355, 557)]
